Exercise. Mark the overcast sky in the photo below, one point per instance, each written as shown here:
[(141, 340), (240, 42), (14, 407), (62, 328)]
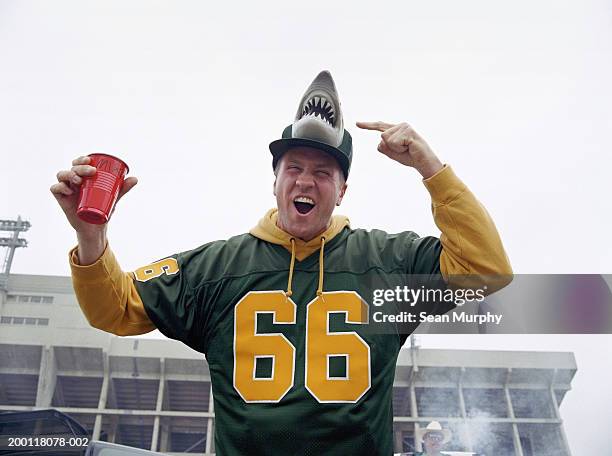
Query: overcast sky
[(514, 95)]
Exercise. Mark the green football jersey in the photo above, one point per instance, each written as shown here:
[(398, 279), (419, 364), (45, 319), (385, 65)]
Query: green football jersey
[(304, 374)]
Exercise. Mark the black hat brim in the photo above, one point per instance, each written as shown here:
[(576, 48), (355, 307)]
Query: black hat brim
[(280, 146)]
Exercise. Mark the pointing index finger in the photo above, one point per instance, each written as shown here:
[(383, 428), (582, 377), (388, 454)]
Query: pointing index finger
[(379, 126)]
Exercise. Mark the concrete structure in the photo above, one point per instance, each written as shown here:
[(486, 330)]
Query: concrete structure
[(156, 393)]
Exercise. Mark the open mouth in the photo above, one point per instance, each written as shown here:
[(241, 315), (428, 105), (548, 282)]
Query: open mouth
[(303, 204), (318, 106)]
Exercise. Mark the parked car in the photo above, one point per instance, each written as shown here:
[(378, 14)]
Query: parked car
[(53, 433)]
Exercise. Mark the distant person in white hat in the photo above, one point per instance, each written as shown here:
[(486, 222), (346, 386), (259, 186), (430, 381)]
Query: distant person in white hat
[(434, 438)]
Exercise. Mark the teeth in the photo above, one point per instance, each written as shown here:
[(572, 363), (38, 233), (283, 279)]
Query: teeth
[(303, 199), (321, 103)]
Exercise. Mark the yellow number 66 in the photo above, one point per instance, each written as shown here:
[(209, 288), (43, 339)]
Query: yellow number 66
[(321, 344)]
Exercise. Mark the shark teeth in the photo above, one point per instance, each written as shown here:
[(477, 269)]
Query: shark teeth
[(319, 102), (319, 106), (329, 120), (304, 199)]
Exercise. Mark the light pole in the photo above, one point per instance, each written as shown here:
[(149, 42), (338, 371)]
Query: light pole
[(11, 243)]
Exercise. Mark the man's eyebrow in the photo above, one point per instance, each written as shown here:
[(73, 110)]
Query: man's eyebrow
[(324, 164), (294, 161), (317, 165)]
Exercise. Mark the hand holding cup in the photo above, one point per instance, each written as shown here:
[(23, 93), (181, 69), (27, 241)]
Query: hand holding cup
[(71, 183)]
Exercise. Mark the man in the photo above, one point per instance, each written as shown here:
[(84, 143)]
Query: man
[(434, 437), (282, 312)]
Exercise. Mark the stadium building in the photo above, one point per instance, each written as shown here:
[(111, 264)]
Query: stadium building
[(156, 394)]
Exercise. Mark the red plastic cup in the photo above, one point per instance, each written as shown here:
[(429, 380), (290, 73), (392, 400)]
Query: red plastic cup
[(99, 192)]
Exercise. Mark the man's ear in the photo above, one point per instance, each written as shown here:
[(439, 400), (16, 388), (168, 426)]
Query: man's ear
[(274, 187), (341, 195)]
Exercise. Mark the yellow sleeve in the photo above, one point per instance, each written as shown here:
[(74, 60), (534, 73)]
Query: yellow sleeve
[(108, 296), (470, 242)]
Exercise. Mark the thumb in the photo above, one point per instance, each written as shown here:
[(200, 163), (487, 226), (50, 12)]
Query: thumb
[(128, 184)]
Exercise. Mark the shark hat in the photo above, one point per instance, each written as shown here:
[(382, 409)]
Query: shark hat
[(318, 123)]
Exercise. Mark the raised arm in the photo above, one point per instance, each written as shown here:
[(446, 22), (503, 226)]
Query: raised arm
[(472, 254), (106, 294), (472, 251)]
